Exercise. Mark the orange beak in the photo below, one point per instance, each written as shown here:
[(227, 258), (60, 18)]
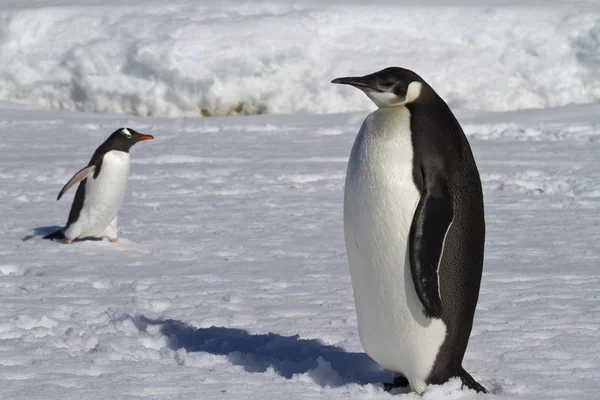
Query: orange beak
[(145, 137)]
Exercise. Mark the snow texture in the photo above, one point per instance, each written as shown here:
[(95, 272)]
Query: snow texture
[(192, 58), (230, 278)]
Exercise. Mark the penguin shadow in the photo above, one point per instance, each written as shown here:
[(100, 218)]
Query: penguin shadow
[(42, 231), (326, 365), (45, 230)]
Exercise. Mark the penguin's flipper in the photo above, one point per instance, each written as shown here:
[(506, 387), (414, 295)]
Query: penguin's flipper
[(430, 224), (79, 176)]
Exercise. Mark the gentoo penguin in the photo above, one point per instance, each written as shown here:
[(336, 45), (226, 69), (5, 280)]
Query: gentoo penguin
[(414, 231), (101, 189)]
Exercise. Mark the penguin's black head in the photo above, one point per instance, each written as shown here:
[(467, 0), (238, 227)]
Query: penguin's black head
[(391, 86), (123, 138)]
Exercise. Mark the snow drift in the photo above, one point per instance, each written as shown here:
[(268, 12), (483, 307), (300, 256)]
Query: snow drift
[(197, 58)]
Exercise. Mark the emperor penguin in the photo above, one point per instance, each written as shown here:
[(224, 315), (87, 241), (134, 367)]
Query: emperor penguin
[(102, 186), (414, 231)]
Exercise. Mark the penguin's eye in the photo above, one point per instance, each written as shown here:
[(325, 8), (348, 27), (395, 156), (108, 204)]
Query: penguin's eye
[(387, 84), (400, 90), (126, 133)]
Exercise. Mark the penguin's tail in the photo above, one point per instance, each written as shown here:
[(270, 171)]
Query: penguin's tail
[(59, 234), (471, 383)]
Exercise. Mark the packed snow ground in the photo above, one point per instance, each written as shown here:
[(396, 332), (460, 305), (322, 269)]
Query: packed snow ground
[(192, 58), (230, 278)]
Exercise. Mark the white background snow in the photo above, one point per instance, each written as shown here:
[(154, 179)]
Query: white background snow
[(185, 58), (230, 278)]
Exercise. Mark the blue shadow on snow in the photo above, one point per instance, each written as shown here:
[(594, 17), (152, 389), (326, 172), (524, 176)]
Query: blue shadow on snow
[(288, 355), (42, 231)]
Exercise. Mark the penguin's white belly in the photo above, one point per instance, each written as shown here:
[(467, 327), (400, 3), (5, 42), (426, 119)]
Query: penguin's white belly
[(104, 194), (379, 203)]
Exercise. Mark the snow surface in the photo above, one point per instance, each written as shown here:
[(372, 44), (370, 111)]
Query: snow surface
[(230, 279), (191, 58)]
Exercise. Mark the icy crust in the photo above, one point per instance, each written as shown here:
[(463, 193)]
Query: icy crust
[(191, 58)]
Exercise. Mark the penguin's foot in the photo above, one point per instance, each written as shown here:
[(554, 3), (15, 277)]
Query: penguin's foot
[(114, 240), (468, 381), (399, 381), (68, 241)]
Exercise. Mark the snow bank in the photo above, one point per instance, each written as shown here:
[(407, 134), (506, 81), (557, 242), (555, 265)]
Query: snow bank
[(191, 58)]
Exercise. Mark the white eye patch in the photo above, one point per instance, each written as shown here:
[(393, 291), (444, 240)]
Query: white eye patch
[(126, 133), (413, 92), (386, 99)]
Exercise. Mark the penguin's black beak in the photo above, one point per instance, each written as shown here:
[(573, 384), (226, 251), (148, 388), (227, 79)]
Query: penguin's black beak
[(361, 82), (144, 137)]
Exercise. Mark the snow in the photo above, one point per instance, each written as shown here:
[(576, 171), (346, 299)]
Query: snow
[(230, 278), (192, 58)]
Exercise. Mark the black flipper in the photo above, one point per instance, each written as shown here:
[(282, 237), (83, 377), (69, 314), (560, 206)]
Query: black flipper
[(430, 224), (471, 383), (59, 234)]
